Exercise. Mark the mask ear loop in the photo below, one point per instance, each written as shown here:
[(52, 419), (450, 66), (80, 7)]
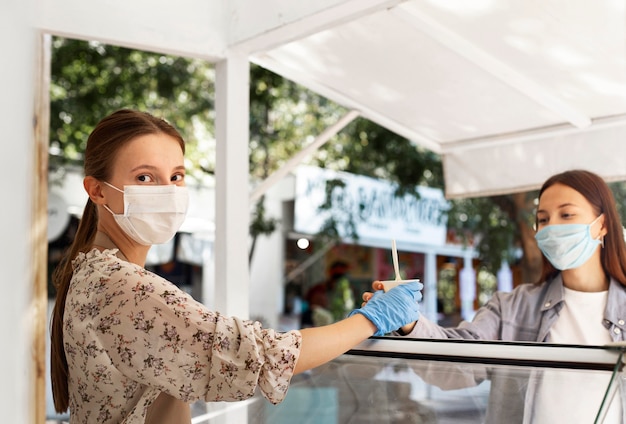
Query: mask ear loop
[(121, 191), (594, 221)]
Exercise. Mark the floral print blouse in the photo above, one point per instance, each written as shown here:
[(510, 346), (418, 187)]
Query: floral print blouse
[(130, 335)]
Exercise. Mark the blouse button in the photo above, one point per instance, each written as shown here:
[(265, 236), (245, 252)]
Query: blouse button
[(617, 330), (547, 304), (620, 322)]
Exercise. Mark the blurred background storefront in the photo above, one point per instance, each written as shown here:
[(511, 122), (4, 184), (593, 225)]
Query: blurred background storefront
[(367, 214)]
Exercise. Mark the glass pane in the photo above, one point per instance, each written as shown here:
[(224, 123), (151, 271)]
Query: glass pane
[(466, 382)]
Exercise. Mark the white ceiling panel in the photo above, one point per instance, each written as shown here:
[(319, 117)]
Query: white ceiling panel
[(471, 79), (468, 79)]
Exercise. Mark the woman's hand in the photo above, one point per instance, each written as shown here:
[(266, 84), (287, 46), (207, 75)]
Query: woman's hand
[(391, 309), (376, 286)]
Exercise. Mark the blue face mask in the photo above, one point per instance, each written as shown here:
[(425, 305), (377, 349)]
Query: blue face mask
[(567, 246)]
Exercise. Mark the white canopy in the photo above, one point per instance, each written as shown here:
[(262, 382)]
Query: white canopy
[(508, 92)]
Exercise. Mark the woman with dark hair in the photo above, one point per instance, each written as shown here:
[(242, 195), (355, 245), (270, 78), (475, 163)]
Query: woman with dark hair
[(580, 299), (130, 347), (612, 251)]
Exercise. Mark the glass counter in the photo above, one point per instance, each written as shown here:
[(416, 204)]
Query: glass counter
[(400, 380)]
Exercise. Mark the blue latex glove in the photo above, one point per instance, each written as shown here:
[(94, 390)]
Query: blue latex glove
[(391, 310)]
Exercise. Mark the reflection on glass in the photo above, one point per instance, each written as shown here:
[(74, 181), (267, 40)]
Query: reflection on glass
[(468, 382)]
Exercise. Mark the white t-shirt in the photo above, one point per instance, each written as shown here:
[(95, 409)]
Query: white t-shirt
[(575, 396)]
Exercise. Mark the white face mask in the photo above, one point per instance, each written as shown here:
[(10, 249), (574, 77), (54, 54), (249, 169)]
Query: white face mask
[(152, 213)]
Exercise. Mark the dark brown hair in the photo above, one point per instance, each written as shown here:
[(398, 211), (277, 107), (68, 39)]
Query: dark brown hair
[(599, 195), (108, 137)]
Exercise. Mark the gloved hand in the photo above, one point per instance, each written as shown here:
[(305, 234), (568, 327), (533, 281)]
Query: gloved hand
[(391, 310)]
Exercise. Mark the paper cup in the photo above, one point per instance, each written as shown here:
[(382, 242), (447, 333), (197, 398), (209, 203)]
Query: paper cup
[(389, 284)]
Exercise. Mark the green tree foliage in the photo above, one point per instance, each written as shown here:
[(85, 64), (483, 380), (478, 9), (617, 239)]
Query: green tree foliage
[(90, 79), (284, 117)]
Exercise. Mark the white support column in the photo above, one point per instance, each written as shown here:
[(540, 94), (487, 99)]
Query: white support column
[(430, 286), (19, 49), (505, 277), (232, 211), (467, 287)]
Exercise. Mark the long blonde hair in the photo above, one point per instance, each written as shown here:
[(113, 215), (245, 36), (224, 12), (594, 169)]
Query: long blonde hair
[(110, 134)]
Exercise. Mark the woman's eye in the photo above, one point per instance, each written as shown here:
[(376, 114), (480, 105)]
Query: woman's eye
[(144, 179), (178, 177), (541, 221)]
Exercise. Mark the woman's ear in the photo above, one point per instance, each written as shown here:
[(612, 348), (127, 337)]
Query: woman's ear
[(603, 227), (93, 187)]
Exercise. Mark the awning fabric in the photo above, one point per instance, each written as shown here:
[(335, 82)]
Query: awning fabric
[(508, 92)]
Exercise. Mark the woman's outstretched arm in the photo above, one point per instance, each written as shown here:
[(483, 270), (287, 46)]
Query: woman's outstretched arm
[(322, 344)]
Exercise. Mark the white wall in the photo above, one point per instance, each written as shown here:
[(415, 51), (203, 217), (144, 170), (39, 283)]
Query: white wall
[(19, 52), (267, 267)]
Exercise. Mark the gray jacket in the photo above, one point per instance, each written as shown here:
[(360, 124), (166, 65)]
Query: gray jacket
[(526, 314)]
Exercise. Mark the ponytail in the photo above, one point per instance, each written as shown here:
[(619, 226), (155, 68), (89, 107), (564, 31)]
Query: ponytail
[(61, 278)]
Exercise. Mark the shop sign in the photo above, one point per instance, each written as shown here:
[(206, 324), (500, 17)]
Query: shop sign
[(376, 211)]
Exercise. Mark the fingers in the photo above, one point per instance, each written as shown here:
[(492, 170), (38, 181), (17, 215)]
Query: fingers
[(377, 285), (366, 297)]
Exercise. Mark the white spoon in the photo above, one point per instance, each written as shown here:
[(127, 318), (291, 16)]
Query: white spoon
[(394, 255), (389, 284)]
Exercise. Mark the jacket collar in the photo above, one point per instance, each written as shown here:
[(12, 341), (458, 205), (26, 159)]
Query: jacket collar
[(553, 294), (615, 311), (616, 305)]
